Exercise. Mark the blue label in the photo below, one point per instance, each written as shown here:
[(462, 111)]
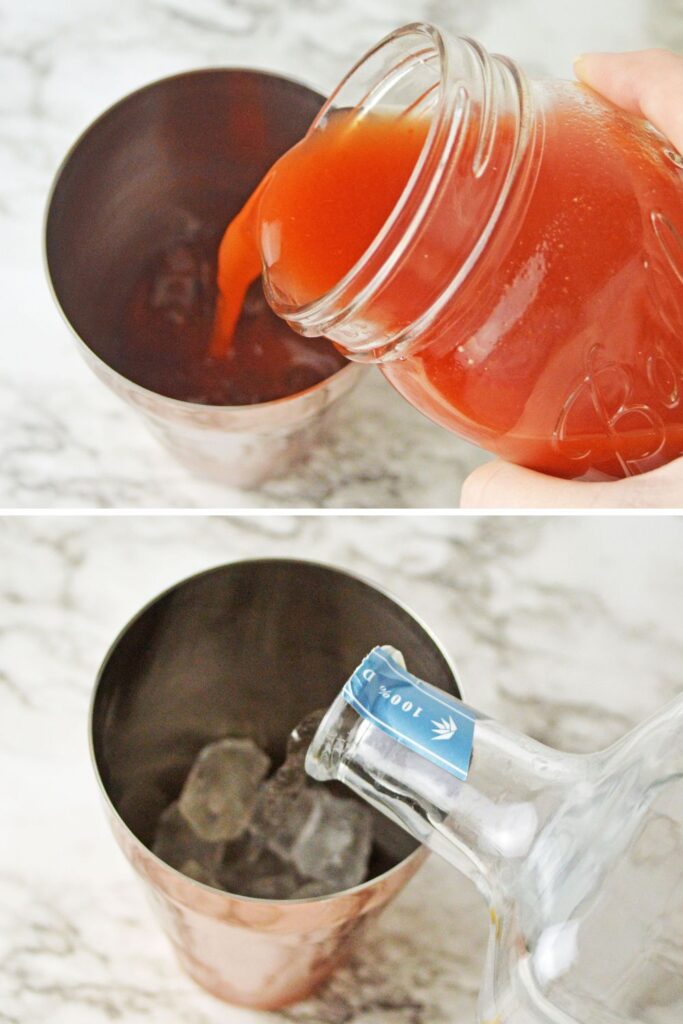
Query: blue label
[(418, 715)]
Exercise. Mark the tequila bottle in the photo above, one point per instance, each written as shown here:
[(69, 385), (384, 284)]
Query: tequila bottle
[(579, 857)]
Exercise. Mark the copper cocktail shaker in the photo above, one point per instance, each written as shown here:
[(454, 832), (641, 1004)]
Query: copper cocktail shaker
[(248, 648)]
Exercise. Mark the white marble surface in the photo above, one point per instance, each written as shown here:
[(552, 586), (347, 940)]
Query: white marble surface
[(568, 628), (64, 440)]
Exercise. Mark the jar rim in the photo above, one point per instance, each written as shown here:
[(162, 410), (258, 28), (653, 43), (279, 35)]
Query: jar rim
[(469, 93), (318, 313)]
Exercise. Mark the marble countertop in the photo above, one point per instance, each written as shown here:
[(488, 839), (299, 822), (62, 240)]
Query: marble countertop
[(65, 441), (566, 628)]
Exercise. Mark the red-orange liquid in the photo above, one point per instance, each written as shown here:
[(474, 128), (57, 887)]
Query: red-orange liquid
[(316, 212), (167, 330), (566, 356)]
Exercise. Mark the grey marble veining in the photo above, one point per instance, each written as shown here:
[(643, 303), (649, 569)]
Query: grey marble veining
[(64, 440), (566, 628)]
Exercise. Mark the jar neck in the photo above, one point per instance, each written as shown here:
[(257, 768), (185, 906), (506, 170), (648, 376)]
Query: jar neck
[(473, 171), (484, 812)]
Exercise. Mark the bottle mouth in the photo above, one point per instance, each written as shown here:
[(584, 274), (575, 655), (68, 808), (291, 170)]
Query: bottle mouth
[(406, 71), (324, 752)]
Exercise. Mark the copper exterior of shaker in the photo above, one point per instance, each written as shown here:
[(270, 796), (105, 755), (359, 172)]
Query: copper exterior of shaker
[(256, 952), (248, 647)]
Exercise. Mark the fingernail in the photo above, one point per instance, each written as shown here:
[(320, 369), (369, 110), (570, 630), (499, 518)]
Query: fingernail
[(578, 63)]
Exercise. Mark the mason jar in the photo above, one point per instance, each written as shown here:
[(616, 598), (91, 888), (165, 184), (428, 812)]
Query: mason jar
[(526, 291)]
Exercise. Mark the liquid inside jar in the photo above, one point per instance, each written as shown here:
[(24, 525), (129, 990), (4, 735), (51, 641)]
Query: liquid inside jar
[(561, 348), (317, 212)]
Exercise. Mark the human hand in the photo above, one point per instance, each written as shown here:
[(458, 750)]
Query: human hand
[(649, 84), (500, 484)]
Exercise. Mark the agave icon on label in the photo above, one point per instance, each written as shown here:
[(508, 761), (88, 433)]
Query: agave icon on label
[(445, 729)]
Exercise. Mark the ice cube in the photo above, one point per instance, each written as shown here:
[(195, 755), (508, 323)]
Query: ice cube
[(284, 806), (334, 845), (254, 301), (172, 289), (181, 259), (280, 886), (322, 836), (221, 790), (177, 844), (251, 869), (193, 869), (311, 889)]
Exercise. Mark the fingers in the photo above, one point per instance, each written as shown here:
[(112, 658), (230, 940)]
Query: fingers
[(502, 485), (648, 83)]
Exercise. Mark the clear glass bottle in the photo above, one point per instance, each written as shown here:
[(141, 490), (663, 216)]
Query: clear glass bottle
[(580, 858), (527, 290)]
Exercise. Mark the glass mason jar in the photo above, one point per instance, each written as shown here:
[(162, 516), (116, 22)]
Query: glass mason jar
[(527, 290), (579, 857)]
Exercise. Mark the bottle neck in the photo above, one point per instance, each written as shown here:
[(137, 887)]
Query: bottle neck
[(479, 795), (474, 171)]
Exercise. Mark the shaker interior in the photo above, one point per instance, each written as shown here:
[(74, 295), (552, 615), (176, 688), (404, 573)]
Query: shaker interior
[(184, 151), (247, 648)]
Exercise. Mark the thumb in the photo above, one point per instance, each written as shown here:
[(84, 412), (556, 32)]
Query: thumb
[(648, 83), (502, 485)]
